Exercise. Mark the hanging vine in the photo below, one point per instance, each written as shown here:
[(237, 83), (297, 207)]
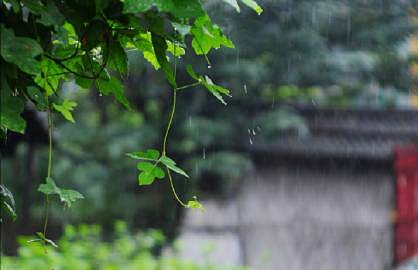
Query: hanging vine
[(44, 43)]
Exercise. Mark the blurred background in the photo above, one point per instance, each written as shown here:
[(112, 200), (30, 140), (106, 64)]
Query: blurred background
[(312, 165)]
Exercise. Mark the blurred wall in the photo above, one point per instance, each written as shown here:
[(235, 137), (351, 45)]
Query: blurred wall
[(295, 217)]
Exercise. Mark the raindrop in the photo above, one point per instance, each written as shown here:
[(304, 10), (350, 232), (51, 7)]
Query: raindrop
[(209, 66), (313, 102), (100, 94), (245, 89), (253, 132), (251, 141), (204, 153)]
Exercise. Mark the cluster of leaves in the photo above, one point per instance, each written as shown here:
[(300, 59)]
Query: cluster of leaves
[(46, 43), (83, 248)]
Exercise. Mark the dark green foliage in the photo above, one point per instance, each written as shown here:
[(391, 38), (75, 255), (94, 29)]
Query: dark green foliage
[(47, 43)]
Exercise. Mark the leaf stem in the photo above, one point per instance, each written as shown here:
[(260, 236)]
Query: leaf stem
[(173, 189), (49, 140), (173, 108), (188, 86), (49, 162)]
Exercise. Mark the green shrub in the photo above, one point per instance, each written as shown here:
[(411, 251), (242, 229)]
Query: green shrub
[(83, 248)]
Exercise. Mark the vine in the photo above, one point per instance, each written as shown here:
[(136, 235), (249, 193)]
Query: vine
[(87, 42)]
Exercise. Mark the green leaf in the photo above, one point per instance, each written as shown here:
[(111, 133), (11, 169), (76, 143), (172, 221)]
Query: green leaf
[(43, 238), (65, 109), (160, 49), (216, 90), (49, 14), (143, 43), (175, 49), (207, 36), (101, 5), (171, 164), (20, 51), (117, 58), (253, 5), (47, 78), (194, 204), (15, 5), (67, 196), (179, 8), (149, 172), (11, 108), (94, 34), (7, 203), (115, 87), (37, 97), (150, 154)]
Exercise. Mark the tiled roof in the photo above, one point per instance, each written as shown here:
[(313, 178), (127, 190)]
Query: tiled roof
[(349, 133)]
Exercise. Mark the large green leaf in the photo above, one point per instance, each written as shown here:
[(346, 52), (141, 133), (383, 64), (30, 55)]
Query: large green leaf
[(11, 107), (67, 196), (179, 8), (49, 13), (207, 36), (115, 87), (149, 172), (144, 44), (94, 34), (20, 51), (160, 49), (117, 58)]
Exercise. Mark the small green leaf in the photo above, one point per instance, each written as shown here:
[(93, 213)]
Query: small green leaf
[(194, 204), (65, 109), (43, 238), (150, 154), (253, 5), (67, 196), (171, 164), (115, 87), (216, 90), (149, 172), (44, 78)]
